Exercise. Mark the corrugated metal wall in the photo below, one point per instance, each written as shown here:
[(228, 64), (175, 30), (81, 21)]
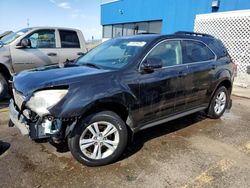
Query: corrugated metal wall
[(175, 14)]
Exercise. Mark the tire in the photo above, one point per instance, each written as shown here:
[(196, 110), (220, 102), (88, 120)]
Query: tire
[(3, 87), (89, 142), (248, 69), (216, 112)]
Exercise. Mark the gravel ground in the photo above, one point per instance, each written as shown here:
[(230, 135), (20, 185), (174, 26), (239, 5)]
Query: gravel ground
[(189, 152)]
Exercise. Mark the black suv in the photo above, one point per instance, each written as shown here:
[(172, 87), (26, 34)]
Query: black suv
[(120, 87)]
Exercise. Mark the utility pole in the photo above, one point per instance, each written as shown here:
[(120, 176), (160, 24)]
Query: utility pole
[(28, 22)]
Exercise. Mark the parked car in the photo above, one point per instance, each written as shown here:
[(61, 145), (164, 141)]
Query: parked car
[(5, 33), (36, 47), (120, 87)]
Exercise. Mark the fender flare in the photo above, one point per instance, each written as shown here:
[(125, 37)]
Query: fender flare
[(124, 99), (221, 77)]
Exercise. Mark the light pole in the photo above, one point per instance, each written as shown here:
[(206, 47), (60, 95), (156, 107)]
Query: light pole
[(28, 22)]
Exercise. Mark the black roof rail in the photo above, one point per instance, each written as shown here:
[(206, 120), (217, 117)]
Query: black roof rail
[(193, 34), (145, 33)]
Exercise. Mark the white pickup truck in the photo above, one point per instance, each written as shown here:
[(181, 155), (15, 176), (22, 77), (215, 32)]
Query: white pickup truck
[(35, 47)]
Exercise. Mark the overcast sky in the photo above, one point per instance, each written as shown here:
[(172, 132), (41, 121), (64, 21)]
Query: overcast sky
[(80, 14)]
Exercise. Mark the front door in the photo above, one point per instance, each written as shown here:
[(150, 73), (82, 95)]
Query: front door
[(42, 51), (158, 89)]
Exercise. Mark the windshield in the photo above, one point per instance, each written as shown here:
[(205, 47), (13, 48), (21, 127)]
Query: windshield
[(12, 36), (114, 54)]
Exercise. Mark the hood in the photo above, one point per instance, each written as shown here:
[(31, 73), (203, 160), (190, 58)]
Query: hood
[(27, 82), (5, 50)]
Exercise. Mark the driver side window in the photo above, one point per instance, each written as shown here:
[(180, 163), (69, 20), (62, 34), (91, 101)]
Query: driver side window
[(169, 52), (42, 39)]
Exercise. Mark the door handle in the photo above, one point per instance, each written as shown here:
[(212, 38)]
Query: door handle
[(80, 53), (52, 54)]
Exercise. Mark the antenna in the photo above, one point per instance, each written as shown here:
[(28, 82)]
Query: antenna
[(28, 22)]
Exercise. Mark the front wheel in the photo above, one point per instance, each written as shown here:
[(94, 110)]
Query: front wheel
[(3, 87), (218, 103), (98, 139)]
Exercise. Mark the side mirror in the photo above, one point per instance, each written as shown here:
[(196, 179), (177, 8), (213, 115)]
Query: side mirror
[(150, 64), (1, 44), (25, 43)]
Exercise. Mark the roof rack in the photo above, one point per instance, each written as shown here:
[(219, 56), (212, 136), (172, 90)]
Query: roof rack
[(193, 34), (145, 33)]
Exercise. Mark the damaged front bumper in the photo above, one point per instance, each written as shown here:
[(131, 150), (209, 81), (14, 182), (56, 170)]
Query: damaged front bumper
[(37, 129), (20, 122), (40, 127)]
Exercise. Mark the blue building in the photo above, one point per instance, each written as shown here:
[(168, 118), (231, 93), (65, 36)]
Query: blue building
[(127, 17)]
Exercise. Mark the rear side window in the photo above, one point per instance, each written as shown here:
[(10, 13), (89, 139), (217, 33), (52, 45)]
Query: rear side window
[(194, 51), (69, 39), (218, 47)]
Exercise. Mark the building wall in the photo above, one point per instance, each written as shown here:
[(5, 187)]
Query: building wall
[(176, 14)]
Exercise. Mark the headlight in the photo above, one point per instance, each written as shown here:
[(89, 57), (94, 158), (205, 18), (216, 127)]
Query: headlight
[(41, 101)]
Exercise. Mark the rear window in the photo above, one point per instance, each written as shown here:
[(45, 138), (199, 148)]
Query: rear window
[(218, 47), (69, 39), (194, 51)]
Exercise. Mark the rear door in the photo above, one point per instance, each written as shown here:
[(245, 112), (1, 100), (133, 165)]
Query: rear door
[(41, 53), (70, 45), (201, 62)]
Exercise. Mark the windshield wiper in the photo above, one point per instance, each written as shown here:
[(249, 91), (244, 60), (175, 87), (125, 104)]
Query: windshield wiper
[(91, 65)]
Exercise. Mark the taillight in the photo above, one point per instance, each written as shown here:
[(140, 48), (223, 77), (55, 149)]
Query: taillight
[(234, 62), (234, 66)]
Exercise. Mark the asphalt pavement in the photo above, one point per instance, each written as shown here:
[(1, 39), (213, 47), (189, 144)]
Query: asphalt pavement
[(193, 151)]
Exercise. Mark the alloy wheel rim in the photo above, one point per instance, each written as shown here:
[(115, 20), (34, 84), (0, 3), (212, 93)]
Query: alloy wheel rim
[(99, 140), (1, 87), (220, 102)]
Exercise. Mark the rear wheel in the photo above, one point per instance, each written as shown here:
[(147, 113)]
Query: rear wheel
[(3, 87), (99, 139), (218, 103)]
